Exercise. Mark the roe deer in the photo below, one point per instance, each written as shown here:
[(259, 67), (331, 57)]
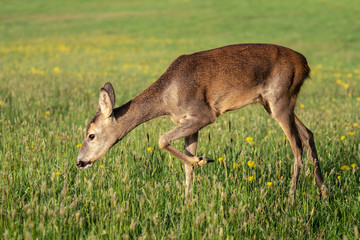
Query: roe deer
[(199, 87)]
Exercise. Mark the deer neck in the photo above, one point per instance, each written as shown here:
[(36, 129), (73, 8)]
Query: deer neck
[(144, 107)]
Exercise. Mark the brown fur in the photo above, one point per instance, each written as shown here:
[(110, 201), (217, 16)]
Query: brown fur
[(197, 88)]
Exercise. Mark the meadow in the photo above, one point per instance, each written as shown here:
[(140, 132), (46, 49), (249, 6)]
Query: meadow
[(56, 55)]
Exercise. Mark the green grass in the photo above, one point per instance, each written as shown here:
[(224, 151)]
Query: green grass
[(55, 56)]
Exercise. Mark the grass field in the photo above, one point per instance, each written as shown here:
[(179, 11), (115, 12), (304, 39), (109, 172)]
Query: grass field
[(56, 55)]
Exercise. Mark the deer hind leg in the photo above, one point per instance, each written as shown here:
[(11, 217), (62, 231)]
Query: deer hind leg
[(190, 150), (187, 128), (283, 113), (307, 138)]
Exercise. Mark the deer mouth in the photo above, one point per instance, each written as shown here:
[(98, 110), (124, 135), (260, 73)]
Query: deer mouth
[(84, 165)]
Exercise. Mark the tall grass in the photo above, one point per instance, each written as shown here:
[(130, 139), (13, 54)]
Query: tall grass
[(55, 56)]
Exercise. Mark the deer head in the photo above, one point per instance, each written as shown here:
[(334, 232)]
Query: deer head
[(100, 135)]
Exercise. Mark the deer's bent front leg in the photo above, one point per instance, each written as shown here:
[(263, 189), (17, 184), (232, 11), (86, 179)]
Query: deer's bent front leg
[(189, 127)]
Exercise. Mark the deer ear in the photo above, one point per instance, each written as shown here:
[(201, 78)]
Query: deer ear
[(106, 99), (109, 88)]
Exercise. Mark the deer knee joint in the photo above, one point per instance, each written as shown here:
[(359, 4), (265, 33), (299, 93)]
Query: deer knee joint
[(163, 142)]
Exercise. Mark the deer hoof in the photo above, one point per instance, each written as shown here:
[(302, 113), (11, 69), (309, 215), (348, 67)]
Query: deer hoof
[(324, 192), (201, 161)]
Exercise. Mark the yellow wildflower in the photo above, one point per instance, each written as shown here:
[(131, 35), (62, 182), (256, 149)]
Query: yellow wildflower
[(58, 173), (269, 183), (342, 138), (250, 178), (249, 139), (358, 99), (350, 133), (353, 165), (56, 69), (220, 159), (251, 164), (302, 105), (149, 149), (345, 167), (0, 102), (339, 177), (349, 75), (236, 165), (47, 112), (101, 166), (79, 145), (355, 124)]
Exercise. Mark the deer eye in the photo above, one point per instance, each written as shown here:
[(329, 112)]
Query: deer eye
[(91, 137)]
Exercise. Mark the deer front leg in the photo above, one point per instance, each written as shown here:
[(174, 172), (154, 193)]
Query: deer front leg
[(190, 150), (186, 129)]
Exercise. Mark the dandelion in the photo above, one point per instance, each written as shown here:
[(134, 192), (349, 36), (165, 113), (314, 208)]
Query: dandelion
[(0, 102), (58, 173), (36, 71), (250, 178), (358, 99), (342, 138), (251, 164), (355, 124), (302, 105), (56, 69), (220, 159), (235, 166), (101, 166), (338, 177), (269, 183), (79, 145), (350, 133), (249, 139), (149, 149), (63, 48), (353, 165), (345, 167), (349, 75), (47, 113)]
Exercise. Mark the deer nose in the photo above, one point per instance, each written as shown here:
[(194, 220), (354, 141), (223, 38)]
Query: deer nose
[(81, 164)]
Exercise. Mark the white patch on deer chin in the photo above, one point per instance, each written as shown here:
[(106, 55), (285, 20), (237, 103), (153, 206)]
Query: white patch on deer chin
[(87, 166)]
